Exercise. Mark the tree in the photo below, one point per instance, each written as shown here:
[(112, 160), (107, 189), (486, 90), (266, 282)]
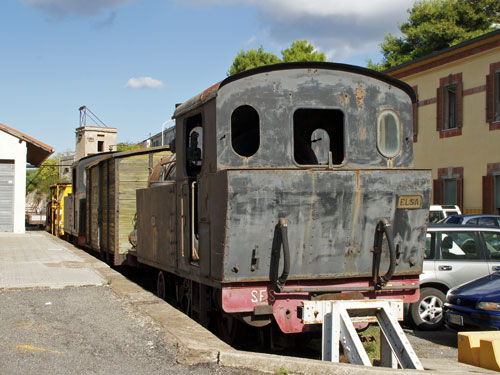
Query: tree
[(42, 178), (437, 24), (252, 59), (300, 50)]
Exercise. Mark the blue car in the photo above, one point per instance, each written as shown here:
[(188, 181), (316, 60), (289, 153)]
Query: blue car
[(474, 305)]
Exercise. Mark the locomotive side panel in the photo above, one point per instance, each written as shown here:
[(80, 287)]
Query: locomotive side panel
[(213, 201), (156, 226)]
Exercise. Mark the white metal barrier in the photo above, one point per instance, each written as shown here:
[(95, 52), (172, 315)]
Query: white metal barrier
[(338, 328)]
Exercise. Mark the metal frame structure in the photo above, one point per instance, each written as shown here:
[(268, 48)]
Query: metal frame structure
[(338, 328)]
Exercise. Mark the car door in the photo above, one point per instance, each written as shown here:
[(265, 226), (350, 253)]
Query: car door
[(492, 245), (461, 258), (429, 267)]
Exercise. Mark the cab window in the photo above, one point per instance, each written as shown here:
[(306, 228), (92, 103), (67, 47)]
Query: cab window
[(388, 134), (194, 145), (245, 130), (317, 134)]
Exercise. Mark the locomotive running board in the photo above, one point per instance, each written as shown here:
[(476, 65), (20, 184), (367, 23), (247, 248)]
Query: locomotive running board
[(338, 327)]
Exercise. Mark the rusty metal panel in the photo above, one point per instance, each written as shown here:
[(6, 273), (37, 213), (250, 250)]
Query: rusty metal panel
[(359, 98), (156, 226), (331, 217)]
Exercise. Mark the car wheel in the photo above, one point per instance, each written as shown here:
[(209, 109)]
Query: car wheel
[(428, 313)]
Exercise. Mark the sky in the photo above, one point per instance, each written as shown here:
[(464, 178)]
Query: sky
[(131, 61)]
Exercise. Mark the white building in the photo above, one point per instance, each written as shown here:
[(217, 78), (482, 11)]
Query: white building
[(168, 136), (65, 163), (16, 149), (92, 140)]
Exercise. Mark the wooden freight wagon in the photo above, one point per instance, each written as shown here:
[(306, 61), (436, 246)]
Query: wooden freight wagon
[(111, 194)]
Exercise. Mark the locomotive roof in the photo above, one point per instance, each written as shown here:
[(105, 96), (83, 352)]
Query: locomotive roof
[(211, 92)]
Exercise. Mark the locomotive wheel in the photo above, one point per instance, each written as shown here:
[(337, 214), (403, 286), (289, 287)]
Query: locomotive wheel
[(160, 285), (227, 327), (184, 297)]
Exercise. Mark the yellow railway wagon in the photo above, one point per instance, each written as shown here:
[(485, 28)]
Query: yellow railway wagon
[(111, 185), (55, 208)]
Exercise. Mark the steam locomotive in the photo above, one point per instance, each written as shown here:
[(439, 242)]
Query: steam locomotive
[(286, 183)]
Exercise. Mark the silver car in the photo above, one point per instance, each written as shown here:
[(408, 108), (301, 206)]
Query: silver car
[(454, 254)]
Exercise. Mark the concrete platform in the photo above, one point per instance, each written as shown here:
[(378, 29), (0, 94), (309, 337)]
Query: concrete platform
[(39, 260)]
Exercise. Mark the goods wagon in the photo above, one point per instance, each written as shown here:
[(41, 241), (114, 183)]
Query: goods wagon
[(75, 203), (291, 182), (111, 187)]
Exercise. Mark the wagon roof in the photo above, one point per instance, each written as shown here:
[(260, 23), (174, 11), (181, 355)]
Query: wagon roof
[(122, 154), (211, 92)]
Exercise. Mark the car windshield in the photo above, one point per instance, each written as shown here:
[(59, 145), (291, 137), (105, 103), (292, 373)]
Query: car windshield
[(454, 220), (435, 216)]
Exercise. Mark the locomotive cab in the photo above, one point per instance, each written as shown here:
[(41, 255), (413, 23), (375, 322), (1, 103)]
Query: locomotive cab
[(296, 167)]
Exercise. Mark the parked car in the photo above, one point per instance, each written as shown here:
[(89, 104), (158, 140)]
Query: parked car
[(474, 305), (440, 212), (488, 220), (454, 254)]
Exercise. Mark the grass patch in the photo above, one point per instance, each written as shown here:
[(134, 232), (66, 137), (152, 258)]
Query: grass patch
[(282, 371), (372, 347)]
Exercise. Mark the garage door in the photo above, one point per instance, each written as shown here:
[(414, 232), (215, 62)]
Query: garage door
[(6, 196)]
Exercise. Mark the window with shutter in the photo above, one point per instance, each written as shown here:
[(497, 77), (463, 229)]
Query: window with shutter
[(497, 96), (497, 194), (437, 191), (488, 195), (493, 96), (450, 106), (450, 111), (448, 188)]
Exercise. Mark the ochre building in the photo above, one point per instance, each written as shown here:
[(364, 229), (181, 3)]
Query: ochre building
[(457, 121)]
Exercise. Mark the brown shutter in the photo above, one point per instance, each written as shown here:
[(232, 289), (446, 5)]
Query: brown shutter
[(490, 97), (488, 195), (459, 108), (439, 108), (415, 114), (437, 191), (460, 193), (415, 120)]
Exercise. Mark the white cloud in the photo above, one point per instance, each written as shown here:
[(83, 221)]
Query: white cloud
[(251, 40), (340, 28), (144, 82), (63, 8)]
